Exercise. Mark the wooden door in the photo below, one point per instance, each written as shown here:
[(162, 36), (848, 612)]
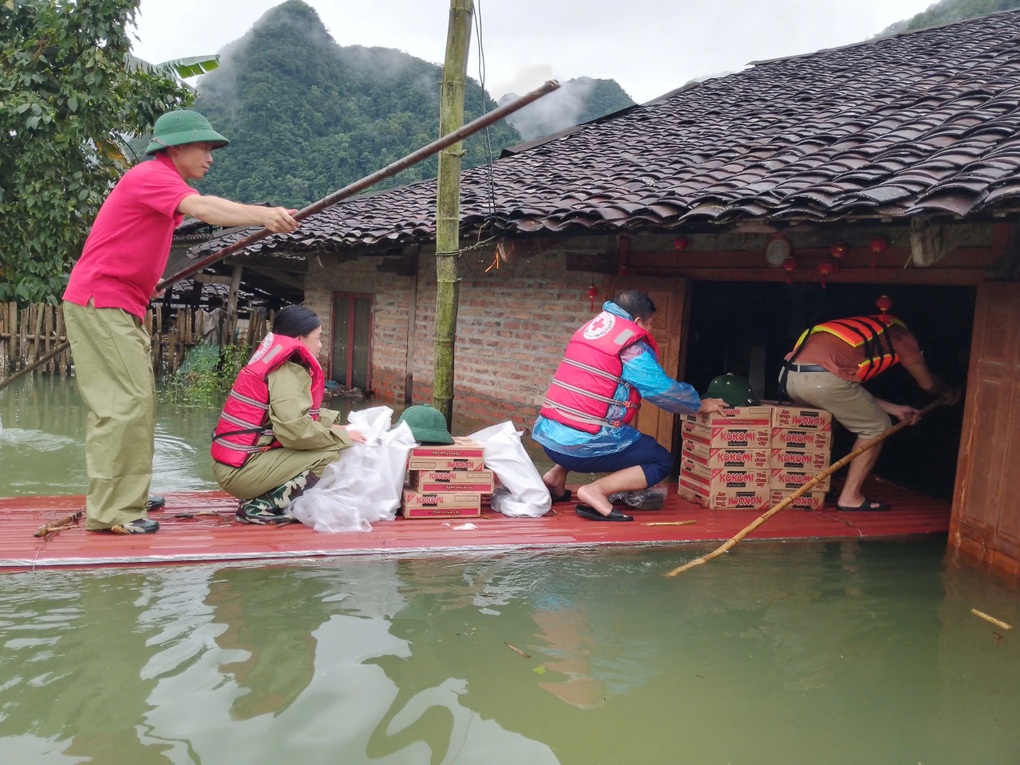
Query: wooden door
[(986, 515), (351, 351), (669, 328)]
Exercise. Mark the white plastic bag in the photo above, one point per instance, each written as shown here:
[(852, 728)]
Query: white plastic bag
[(521, 490), (365, 485)]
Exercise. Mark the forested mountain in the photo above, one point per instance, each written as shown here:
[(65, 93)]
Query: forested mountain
[(306, 116), (948, 12)]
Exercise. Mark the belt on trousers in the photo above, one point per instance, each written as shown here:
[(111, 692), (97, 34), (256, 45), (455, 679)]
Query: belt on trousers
[(804, 367)]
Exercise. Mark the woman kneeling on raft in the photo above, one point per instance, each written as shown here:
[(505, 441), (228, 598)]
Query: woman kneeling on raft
[(273, 439)]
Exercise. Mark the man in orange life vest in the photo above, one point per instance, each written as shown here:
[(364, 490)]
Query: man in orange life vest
[(825, 369), (610, 365)]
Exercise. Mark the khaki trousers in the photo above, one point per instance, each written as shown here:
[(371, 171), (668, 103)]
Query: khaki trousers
[(113, 368), (853, 406), (267, 470)]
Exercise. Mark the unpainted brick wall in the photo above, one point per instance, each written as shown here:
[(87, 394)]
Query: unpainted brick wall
[(513, 324)]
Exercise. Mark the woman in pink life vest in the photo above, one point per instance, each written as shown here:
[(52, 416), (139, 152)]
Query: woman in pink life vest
[(273, 438)]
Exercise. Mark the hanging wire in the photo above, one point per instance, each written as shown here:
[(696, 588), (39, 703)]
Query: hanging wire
[(485, 133)]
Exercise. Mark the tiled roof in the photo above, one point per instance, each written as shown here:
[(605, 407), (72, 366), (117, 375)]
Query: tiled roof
[(921, 123)]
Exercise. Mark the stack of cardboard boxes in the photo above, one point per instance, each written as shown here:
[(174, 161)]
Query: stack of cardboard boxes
[(725, 458), (801, 445), (754, 456), (446, 481)]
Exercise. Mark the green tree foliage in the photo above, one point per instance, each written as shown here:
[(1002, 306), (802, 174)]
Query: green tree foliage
[(306, 116), (67, 98)]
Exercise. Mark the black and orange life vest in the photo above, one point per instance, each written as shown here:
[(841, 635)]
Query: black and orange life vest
[(245, 417), (581, 392), (871, 332)]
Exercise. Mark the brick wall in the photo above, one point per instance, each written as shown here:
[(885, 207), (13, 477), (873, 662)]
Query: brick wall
[(513, 324)]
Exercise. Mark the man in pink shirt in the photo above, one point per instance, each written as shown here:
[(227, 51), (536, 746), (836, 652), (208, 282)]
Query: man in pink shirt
[(105, 303)]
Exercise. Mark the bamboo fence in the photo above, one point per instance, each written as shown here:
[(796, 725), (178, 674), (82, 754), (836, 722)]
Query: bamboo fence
[(28, 334)]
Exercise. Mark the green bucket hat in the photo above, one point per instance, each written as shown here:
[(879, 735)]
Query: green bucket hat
[(427, 424), (181, 127), (733, 389)]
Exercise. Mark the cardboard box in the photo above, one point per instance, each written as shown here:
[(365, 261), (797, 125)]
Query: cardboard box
[(462, 454), (425, 481), (735, 499), (715, 457), (802, 440), (799, 460), (756, 437), (735, 417), (813, 500), (725, 478), (786, 479), (441, 504), (800, 418)]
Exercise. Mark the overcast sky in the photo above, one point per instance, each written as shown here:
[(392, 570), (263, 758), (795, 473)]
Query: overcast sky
[(649, 47)]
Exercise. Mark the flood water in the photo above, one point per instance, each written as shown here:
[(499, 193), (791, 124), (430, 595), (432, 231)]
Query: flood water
[(843, 653)]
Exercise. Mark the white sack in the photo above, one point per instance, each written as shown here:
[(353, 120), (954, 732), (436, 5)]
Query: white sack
[(521, 491), (365, 485)]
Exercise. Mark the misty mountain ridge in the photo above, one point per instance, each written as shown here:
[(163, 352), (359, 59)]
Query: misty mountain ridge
[(306, 116)]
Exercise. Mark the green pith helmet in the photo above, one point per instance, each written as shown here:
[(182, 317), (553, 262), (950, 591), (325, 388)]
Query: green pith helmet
[(733, 389), (181, 127), (427, 424)]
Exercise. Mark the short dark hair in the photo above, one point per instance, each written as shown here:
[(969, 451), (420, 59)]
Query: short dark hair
[(295, 321), (636, 303)]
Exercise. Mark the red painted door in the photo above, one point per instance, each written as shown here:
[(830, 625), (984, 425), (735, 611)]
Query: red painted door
[(986, 514)]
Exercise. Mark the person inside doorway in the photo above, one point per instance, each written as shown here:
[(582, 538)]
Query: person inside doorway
[(105, 302), (610, 365), (827, 369), (274, 438)]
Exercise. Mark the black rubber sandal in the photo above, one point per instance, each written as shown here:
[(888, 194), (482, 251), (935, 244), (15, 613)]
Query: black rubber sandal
[(589, 512)]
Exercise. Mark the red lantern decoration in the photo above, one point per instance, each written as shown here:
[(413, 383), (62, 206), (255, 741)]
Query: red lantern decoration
[(884, 303), (838, 251), (592, 294), (680, 244), (825, 268), (789, 265), (878, 245)]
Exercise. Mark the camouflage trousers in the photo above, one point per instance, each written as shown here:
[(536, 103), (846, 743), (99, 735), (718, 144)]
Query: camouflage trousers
[(270, 480)]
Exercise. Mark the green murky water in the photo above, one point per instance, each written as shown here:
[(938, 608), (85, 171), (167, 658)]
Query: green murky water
[(807, 653), (835, 653)]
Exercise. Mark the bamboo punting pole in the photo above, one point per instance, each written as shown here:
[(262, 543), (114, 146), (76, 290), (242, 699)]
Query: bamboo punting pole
[(350, 190), (787, 501)]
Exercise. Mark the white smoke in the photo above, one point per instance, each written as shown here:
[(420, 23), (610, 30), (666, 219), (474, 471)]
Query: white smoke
[(560, 109)]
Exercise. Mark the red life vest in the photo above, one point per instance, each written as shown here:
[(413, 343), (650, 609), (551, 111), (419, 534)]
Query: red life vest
[(245, 417), (867, 331), (581, 392)]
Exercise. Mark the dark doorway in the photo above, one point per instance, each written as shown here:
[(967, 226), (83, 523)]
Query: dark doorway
[(351, 352), (747, 329)]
